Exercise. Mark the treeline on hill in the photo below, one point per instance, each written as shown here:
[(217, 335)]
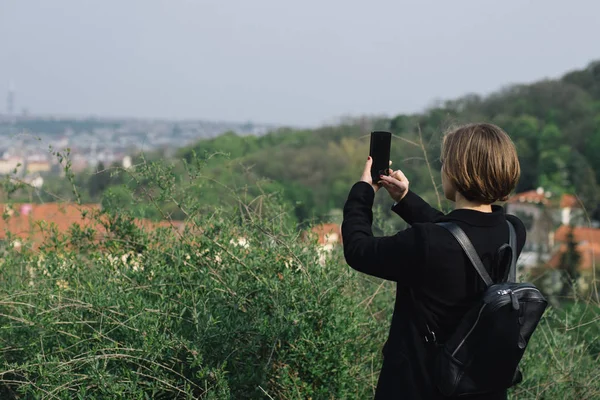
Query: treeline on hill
[(554, 123)]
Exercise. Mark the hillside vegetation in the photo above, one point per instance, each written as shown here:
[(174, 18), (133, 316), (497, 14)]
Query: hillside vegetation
[(236, 305), (554, 123)]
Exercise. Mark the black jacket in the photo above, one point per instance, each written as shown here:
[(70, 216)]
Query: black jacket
[(427, 260)]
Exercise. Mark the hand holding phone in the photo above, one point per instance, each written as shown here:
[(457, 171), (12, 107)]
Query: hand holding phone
[(379, 151)]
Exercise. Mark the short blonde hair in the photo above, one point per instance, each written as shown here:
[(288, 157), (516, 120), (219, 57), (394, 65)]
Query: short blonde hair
[(480, 161)]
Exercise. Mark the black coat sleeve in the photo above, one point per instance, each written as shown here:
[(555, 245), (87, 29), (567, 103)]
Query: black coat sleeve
[(399, 258), (413, 209)]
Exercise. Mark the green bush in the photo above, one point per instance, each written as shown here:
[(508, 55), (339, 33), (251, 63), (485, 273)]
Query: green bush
[(237, 305)]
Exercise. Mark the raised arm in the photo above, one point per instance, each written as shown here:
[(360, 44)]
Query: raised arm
[(408, 205), (398, 258), (413, 209)]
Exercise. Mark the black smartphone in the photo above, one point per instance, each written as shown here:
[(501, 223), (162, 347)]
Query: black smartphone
[(381, 143)]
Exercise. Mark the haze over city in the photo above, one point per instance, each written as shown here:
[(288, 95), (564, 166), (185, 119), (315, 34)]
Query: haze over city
[(267, 61)]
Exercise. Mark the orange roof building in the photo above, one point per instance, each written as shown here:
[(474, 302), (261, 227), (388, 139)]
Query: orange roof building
[(569, 201), (588, 246), (33, 221), (539, 196), (327, 234), (531, 196), (581, 234)]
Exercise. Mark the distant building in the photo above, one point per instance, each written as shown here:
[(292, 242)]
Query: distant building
[(542, 213), (328, 237), (327, 234), (79, 163), (10, 100), (127, 162), (534, 201), (588, 246), (8, 165), (32, 222), (37, 166)]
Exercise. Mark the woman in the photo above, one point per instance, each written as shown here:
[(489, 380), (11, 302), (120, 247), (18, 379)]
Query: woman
[(434, 276)]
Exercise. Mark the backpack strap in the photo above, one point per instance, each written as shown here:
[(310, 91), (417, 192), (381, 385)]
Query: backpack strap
[(512, 241), (467, 246)]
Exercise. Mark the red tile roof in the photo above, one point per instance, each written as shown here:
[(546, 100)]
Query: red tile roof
[(32, 221), (23, 219), (570, 201), (531, 196), (327, 233), (588, 245), (541, 197), (581, 234)]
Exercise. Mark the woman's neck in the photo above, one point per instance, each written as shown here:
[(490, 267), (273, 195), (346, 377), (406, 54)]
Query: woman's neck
[(462, 203)]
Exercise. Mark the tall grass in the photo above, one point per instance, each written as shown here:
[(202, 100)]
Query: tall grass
[(235, 305)]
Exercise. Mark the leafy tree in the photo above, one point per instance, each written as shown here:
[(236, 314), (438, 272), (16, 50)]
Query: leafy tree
[(569, 263), (117, 199), (592, 148), (584, 181), (99, 181)]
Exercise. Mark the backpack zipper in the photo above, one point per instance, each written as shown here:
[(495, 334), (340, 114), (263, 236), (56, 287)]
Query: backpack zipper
[(500, 292), (470, 331), (507, 291), (510, 292)]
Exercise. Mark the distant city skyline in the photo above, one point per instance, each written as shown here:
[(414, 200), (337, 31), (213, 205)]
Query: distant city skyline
[(300, 63), (23, 110), (10, 99)]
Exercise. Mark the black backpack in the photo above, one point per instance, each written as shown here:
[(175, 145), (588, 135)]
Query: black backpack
[(483, 353)]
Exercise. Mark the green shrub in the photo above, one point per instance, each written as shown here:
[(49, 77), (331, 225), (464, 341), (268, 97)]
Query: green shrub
[(237, 305)]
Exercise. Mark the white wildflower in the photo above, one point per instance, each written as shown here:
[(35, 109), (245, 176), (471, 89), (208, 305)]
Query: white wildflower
[(289, 263), (583, 283), (31, 272), (323, 253), (136, 266), (322, 259), (201, 253), (241, 241), (112, 260), (328, 247), (62, 284)]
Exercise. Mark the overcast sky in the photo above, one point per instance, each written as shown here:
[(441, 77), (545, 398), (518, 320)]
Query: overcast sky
[(298, 62)]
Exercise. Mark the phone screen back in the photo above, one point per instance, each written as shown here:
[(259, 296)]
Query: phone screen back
[(380, 153)]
